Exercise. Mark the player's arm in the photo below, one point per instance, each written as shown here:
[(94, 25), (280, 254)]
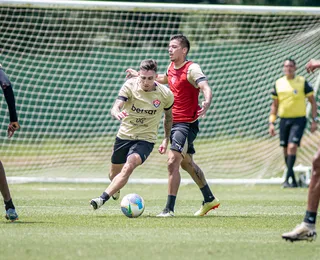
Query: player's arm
[(314, 113), (273, 116), (207, 93), (312, 65), (161, 78), (167, 124), (117, 111), (9, 96)]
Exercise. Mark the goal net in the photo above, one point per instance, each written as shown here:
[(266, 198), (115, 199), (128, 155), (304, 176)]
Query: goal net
[(67, 61)]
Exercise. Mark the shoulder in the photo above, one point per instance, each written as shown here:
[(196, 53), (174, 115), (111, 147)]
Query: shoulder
[(300, 78), (164, 90)]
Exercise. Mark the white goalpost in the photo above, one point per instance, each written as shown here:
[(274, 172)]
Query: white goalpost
[(67, 61)]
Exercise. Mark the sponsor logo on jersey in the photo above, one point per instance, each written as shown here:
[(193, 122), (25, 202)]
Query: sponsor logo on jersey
[(143, 111), (156, 103), (173, 80)]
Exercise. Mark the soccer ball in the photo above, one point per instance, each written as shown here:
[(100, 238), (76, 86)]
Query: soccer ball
[(132, 205)]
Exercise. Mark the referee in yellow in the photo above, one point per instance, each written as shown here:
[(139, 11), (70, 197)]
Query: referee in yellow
[(289, 103)]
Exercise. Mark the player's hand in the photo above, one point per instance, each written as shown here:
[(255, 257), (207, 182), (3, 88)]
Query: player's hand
[(131, 73), (12, 127), (312, 65), (314, 127), (272, 131), (163, 146), (121, 115), (203, 110)]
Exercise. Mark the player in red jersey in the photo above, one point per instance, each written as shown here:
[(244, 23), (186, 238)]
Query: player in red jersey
[(185, 80)]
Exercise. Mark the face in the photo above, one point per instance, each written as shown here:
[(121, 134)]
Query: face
[(176, 52), (289, 68), (147, 78)]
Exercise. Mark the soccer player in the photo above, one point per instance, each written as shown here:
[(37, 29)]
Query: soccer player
[(307, 229), (6, 86), (139, 107), (289, 103), (185, 79)]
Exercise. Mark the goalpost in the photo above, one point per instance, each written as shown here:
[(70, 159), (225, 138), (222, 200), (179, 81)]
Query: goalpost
[(67, 61)]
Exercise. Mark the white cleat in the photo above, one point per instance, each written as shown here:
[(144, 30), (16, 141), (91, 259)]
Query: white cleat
[(116, 196), (166, 213), (96, 203), (303, 231)]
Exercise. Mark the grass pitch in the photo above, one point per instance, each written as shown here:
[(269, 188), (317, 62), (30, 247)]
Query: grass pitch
[(56, 222)]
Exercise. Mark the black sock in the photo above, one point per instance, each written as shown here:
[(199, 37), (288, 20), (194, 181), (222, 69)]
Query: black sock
[(171, 201), (290, 162), (104, 196), (286, 160), (207, 194), (310, 217), (9, 204)]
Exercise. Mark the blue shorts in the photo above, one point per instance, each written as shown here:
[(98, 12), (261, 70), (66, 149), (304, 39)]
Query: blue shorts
[(123, 148), (182, 137), (291, 130)]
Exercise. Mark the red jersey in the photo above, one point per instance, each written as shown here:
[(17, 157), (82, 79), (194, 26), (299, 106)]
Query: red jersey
[(186, 95)]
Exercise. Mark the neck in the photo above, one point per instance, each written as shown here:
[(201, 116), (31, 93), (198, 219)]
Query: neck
[(179, 63), (290, 76)]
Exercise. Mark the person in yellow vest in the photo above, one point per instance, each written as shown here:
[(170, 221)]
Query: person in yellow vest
[(289, 103), (307, 229)]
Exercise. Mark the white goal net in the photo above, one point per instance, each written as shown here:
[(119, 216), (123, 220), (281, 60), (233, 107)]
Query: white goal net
[(67, 61)]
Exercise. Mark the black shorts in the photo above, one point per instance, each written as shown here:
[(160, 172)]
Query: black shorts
[(182, 137), (291, 130), (123, 148)]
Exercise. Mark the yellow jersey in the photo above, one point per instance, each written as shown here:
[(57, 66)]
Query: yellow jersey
[(291, 95)]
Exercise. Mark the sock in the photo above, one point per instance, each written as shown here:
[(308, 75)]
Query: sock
[(286, 160), (310, 217), (105, 196), (9, 204), (290, 162), (207, 194), (171, 201)]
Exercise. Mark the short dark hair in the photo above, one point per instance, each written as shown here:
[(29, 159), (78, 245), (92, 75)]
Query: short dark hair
[(182, 39), (291, 60), (149, 64)]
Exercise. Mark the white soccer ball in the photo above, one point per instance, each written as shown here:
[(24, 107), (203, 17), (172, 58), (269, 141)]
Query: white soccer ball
[(132, 205)]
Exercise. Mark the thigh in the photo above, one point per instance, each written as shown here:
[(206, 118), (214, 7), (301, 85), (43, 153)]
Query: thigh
[(121, 150), (297, 129), (285, 126), (179, 137), (142, 148)]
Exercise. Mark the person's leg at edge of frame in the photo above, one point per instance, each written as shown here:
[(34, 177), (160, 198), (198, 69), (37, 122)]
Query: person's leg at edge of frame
[(119, 181), (210, 202), (115, 169), (11, 213), (307, 229)]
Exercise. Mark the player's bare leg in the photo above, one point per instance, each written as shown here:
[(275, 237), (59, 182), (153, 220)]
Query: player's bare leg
[(115, 169), (4, 188), (174, 178), (119, 181), (209, 200), (307, 229)]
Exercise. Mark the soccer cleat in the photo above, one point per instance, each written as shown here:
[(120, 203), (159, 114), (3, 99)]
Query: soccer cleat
[(11, 215), (166, 213), (207, 206), (116, 196), (304, 231), (96, 203)]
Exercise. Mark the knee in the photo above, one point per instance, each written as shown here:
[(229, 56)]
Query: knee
[(173, 164)]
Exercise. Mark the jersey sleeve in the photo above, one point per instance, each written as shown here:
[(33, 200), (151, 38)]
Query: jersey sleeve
[(196, 75), (274, 94), (308, 90), (169, 100), (125, 92)]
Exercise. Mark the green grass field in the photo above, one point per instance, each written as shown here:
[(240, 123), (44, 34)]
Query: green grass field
[(56, 222)]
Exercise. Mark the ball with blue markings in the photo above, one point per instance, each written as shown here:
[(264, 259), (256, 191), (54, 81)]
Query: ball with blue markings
[(132, 205)]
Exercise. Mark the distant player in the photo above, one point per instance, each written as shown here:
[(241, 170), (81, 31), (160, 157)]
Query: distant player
[(139, 106), (289, 103), (6, 86), (185, 79), (307, 229)]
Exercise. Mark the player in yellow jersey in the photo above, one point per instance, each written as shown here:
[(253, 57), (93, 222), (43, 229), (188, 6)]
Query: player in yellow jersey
[(139, 107), (289, 103), (5, 83), (307, 229)]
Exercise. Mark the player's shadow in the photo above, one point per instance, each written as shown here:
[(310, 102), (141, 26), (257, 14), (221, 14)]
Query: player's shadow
[(19, 222)]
